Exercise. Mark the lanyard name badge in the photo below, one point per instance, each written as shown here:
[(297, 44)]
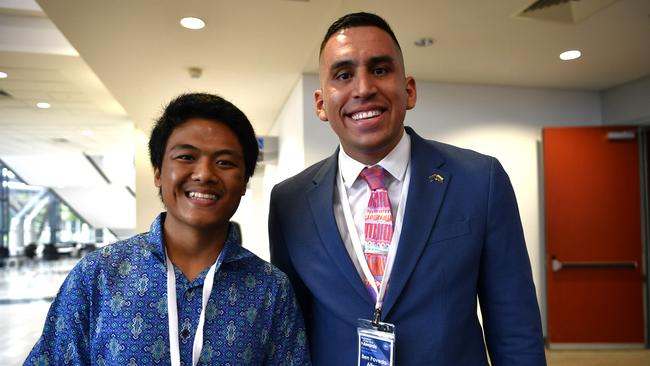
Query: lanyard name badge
[(376, 342), (376, 338), (172, 313)]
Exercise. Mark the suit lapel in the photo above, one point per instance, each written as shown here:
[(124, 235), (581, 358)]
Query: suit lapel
[(426, 192), (321, 197)]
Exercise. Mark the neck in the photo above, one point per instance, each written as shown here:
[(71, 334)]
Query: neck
[(193, 251), (368, 158), (373, 156)]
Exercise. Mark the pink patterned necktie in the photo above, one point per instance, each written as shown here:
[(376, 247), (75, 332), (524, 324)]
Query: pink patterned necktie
[(378, 225)]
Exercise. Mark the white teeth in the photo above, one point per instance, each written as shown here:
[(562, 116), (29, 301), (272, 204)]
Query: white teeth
[(205, 196), (363, 115)]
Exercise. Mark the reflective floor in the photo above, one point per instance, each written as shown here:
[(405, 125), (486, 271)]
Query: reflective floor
[(27, 288)]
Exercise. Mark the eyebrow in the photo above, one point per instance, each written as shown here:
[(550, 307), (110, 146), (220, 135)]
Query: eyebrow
[(214, 153), (381, 59), (373, 61), (341, 64), (183, 147)]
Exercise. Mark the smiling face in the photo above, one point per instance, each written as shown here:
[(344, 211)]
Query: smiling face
[(364, 92), (202, 176)]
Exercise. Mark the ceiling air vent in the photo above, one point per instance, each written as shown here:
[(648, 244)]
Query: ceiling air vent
[(565, 11), (541, 4), (5, 95)]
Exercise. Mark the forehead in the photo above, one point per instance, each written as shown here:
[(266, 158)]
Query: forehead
[(358, 42), (204, 133)]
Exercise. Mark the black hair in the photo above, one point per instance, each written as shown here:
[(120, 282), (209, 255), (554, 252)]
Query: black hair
[(206, 106), (358, 20)]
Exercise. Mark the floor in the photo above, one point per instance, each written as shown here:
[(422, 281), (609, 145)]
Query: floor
[(598, 358), (27, 288)]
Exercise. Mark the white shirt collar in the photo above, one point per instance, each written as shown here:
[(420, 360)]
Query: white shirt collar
[(395, 162)]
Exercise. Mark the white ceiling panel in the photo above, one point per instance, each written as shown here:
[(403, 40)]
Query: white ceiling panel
[(55, 170), (26, 31), (108, 206)]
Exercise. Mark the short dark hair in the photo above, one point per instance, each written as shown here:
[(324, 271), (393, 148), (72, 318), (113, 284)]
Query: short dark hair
[(206, 106), (360, 19)]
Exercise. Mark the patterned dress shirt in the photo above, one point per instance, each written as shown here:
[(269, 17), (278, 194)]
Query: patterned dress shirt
[(112, 310)]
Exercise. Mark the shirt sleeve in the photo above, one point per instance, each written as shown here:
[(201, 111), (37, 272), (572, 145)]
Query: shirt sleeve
[(65, 337), (288, 344)]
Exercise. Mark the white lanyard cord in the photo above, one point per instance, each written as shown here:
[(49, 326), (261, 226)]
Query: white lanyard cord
[(356, 241), (172, 313)]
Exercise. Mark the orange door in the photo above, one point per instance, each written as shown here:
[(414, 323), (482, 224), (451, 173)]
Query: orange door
[(593, 235)]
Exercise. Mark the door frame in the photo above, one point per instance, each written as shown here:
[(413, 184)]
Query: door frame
[(644, 150)]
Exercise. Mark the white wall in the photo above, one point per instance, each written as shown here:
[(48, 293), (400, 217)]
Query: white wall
[(628, 103), (320, 141), (147, 203), (289, 127), (252, 214), (504, 122)]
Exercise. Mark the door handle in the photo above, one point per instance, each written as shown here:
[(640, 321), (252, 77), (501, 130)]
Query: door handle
[(556, 265)]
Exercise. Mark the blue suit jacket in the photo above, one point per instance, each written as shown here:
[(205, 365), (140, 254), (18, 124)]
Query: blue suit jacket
[(461, 238)]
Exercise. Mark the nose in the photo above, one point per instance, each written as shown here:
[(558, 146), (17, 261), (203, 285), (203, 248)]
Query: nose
[(203, 171), (365, 86)]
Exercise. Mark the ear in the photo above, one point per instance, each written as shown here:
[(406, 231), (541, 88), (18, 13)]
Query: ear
[(411, 93), (320, 105), (156, 177)]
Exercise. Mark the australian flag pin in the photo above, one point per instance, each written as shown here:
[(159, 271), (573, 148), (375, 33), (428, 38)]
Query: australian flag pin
[(436, 178)]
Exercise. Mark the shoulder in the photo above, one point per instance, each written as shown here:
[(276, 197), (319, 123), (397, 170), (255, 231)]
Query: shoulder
[(121, 248), (455, 151), (449, 157), (460, 156)]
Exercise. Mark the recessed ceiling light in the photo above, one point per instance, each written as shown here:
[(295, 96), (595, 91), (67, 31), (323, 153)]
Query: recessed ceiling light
[(192, 23), (570, 55), (423, 42), (3, 75), (43, 105), (87, 133)]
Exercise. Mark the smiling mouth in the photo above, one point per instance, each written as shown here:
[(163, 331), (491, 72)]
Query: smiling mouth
[(202, 196), (358, 116)]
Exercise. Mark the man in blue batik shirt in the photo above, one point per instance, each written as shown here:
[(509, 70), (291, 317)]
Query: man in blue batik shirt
[(115, 307)]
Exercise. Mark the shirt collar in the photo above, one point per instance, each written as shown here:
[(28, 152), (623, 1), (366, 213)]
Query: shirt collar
[(395, 162), (232, 248)]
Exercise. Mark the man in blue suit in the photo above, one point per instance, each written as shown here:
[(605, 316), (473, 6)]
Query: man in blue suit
[(454, 229)]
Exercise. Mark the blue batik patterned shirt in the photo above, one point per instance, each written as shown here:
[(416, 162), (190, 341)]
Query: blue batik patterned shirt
[(112, 310)]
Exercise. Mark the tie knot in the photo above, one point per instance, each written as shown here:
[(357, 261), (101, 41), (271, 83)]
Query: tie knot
[(374, 176)]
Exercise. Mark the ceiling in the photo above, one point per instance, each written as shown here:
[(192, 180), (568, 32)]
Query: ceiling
[(106, 66), (135, 56), (43, 67), (253, 51)]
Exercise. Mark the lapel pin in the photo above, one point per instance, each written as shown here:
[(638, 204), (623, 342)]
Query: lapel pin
[(436, 178)]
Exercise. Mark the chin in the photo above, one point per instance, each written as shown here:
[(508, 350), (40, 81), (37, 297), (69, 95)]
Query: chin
[(205, 222)]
